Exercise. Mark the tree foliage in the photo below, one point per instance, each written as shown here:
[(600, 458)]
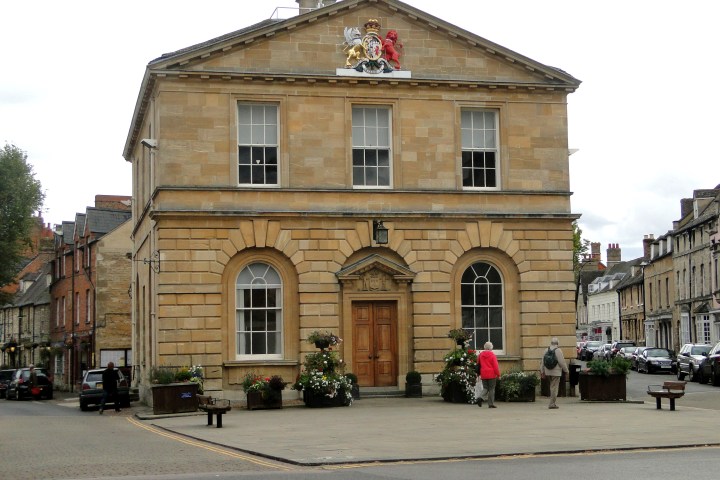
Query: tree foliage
[(580, 247), (21, 196)]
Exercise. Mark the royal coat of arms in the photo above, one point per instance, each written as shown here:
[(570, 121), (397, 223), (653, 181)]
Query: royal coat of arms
[(371, 53)]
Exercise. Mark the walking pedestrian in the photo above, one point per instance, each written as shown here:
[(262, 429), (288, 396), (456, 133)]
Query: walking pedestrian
[(489, 373), (33, 381), (110, 379), (553, 365)]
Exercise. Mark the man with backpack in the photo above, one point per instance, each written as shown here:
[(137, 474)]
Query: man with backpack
[(553, 366)]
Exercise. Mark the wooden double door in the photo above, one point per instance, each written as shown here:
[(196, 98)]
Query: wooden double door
[(375, 343)]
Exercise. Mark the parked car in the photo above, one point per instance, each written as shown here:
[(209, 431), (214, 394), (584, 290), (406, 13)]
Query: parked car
[(689, 358), (5, 378), (603, 353), (626, 353), (634, 357), (655, 360), (710, 367), (91, 390), (589, 349), (617, 345), (19, 386)]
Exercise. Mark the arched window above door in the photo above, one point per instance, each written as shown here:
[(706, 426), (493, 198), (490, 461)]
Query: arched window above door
[(259, 313), (482, 305)]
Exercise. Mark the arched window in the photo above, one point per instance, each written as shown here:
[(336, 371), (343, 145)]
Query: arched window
[(259, 313), (481, 297)]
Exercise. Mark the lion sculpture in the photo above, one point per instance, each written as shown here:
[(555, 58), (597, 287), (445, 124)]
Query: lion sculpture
[(391, 47)]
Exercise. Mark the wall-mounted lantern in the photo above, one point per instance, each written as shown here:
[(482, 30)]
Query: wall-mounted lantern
[(380, 232)]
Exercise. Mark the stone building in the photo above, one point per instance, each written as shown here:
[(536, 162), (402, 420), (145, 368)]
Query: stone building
[(24, 312), (659, 285), (693, 265), (277, 192), (90, 289), (113, 317)]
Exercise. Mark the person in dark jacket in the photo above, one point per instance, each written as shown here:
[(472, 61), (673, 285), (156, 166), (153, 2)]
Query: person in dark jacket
[(110, 379)]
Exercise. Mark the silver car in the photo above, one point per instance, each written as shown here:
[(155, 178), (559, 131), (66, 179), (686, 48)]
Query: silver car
[(689, 358)]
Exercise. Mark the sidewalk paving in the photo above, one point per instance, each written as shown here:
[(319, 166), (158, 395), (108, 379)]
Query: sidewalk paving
[(407, 429)]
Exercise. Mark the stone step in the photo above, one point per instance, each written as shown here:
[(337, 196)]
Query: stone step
[(380, 392)]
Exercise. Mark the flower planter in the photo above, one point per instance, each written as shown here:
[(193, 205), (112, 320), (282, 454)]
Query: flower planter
[(175, 398), (355, 391), (599, 387), (413, 390), (322, 344), (454, 393), (255, 401), (523, 397), (314, 400)]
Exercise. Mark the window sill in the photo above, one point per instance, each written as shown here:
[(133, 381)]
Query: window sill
[(243, 363)]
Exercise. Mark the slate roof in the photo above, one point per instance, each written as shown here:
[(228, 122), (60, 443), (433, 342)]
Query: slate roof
[(227, 36), (79, 225), (101, 220), (38, 293), (68, 228)]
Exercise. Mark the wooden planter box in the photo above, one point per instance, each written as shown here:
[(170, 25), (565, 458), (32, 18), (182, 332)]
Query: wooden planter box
[(255, 401), (321, 401), (175, 398), (599, 387)]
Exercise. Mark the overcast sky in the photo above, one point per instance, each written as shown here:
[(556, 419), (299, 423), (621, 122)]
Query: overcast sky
[(644, 120)]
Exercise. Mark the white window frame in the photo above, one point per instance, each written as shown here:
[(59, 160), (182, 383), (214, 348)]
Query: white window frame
[(88, 305), (684, 330), (479, 135), (241, 310), (371, 137), (478, 341), (704, 331), (258, 131)]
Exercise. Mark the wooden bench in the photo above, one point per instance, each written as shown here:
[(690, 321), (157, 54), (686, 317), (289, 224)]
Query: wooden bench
[(213, 406), (669, 389)]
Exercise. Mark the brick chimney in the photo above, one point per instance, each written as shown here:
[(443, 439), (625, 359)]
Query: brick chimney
[(595, 251), (647, 245), (614, 255)]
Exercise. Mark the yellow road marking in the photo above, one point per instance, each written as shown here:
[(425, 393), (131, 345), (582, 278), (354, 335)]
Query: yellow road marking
[(211, 448)]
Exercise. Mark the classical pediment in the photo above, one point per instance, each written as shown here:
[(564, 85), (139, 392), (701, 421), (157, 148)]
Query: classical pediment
[(432, 48), (308, 50), (375, 273)]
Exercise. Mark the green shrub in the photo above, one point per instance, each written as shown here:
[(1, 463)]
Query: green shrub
[(620, 365), (413, 377), (162, 375)]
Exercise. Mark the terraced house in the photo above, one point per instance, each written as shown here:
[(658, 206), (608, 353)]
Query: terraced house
[(284, 182)]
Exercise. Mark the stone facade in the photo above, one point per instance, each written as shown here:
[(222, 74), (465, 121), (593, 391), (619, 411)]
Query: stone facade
[(660, 296), (91, 277), (113, 320), (693, 265), (196, 228)]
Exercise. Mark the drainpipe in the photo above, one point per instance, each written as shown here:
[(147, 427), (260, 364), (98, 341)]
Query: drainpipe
[(73, 355)]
